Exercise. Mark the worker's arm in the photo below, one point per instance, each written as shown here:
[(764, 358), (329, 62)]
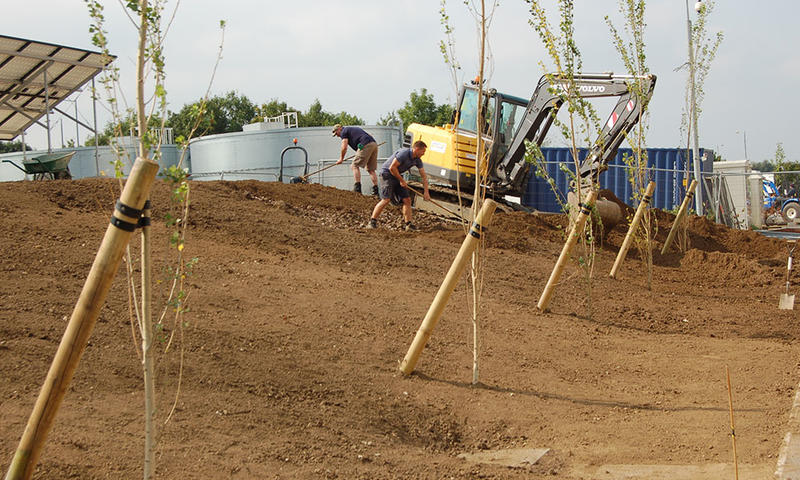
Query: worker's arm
[(426, 193), (394, 170), (343, 151)]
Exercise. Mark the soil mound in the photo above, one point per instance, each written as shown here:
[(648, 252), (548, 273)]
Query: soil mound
[(298, 316)]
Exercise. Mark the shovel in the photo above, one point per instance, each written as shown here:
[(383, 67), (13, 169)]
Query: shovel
[(454, 214), (304, 178), (787, 301)]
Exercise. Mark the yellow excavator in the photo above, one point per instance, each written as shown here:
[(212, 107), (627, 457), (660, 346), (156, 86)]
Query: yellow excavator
[(508, 121)]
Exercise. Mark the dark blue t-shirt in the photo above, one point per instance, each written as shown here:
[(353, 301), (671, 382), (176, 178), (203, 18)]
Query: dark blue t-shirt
[(405, 160), (356, 136)]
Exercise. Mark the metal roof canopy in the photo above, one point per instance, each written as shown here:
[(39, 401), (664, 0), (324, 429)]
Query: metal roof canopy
[(36, 76)]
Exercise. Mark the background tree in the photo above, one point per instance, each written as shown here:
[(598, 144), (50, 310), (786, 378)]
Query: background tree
[(221, 114), (124, 127), (272, 109), (787, 182), (421, 108), (764, 166), (6, 147), (391, 119), (317, 117)]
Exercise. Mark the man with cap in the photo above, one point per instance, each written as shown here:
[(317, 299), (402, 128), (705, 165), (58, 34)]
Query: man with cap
[(366, 153), (393, 185)]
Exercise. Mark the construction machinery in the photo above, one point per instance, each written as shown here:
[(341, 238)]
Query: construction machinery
[(509, 121), (786, 205)]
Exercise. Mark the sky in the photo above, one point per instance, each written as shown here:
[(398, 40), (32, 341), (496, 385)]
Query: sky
[(365, 57)]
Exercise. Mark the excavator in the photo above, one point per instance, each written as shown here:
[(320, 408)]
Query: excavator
[(508, 121)]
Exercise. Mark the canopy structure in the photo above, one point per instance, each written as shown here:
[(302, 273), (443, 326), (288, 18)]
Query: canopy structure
[(36, 76)]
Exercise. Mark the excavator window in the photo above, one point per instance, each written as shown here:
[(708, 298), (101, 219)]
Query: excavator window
[(468, 113)]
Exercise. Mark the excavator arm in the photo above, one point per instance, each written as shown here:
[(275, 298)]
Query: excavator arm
[(511, 171)]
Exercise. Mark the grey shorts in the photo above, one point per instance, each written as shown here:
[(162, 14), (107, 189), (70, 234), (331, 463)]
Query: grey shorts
[(391, 188), (367, 157)]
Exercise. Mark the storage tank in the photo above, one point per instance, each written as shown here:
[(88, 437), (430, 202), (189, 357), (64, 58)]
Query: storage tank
[(84, 163), (256, 154)]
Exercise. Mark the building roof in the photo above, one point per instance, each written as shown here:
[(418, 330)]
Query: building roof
[(36, 76)]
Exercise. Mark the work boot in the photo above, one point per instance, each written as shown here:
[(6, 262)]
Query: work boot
[(410, 227), (375, 191), (373, 223), (357, 187)]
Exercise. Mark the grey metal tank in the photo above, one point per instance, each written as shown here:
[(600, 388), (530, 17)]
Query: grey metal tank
[(85, 163), (257, 155)]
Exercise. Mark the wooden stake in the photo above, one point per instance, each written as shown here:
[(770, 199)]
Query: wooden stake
[(80, 325), (681, 212), (733, 430), (446, 289), (623, 250), (577, 231)]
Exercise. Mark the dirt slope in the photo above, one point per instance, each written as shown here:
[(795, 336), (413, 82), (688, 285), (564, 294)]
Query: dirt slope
[(299, 317)]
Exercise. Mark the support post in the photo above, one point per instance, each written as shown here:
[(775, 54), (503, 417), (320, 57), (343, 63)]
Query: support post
[(446, 289), (679, 217), (623, 250), (94, 116), (577, 231), (82, 322), (756, 197), (148, 363)]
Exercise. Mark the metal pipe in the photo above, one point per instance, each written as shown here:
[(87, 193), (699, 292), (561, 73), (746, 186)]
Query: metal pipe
[(698, 198), (96, 139), (47, 109), (77, 125)]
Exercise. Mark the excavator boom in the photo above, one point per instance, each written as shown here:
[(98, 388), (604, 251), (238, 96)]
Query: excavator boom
[(510, 171)]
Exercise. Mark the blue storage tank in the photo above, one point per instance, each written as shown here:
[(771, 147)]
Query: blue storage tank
[(666, 167)]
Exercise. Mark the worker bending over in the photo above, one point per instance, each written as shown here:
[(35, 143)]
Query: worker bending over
[(366, 153), (393, 185)]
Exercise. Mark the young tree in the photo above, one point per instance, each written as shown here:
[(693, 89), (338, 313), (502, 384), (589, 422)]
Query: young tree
[(632, 51), (582, 124), (703, 49), (150, 63)]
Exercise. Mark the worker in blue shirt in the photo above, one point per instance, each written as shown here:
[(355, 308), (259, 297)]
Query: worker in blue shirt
[(393, 185), (366, 154)]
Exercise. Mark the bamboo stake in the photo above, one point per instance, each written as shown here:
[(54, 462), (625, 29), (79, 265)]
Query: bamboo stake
[(623, 250), (679, 217), (80, 325), (733, 430), (577, 230), (446, 289)]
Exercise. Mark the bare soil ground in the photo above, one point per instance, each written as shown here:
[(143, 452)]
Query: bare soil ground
[(299, 317)]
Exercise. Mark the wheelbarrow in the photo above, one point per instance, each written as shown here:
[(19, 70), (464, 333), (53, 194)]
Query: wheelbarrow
[(50, 166)]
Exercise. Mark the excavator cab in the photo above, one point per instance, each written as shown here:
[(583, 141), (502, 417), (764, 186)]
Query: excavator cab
[(509, 121), (502, 115), (451, 148)]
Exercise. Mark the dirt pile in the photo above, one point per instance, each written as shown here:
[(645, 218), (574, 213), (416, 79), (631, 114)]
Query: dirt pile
[(299, 316)]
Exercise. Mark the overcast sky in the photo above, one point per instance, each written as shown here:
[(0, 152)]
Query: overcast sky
[(366, 56)]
